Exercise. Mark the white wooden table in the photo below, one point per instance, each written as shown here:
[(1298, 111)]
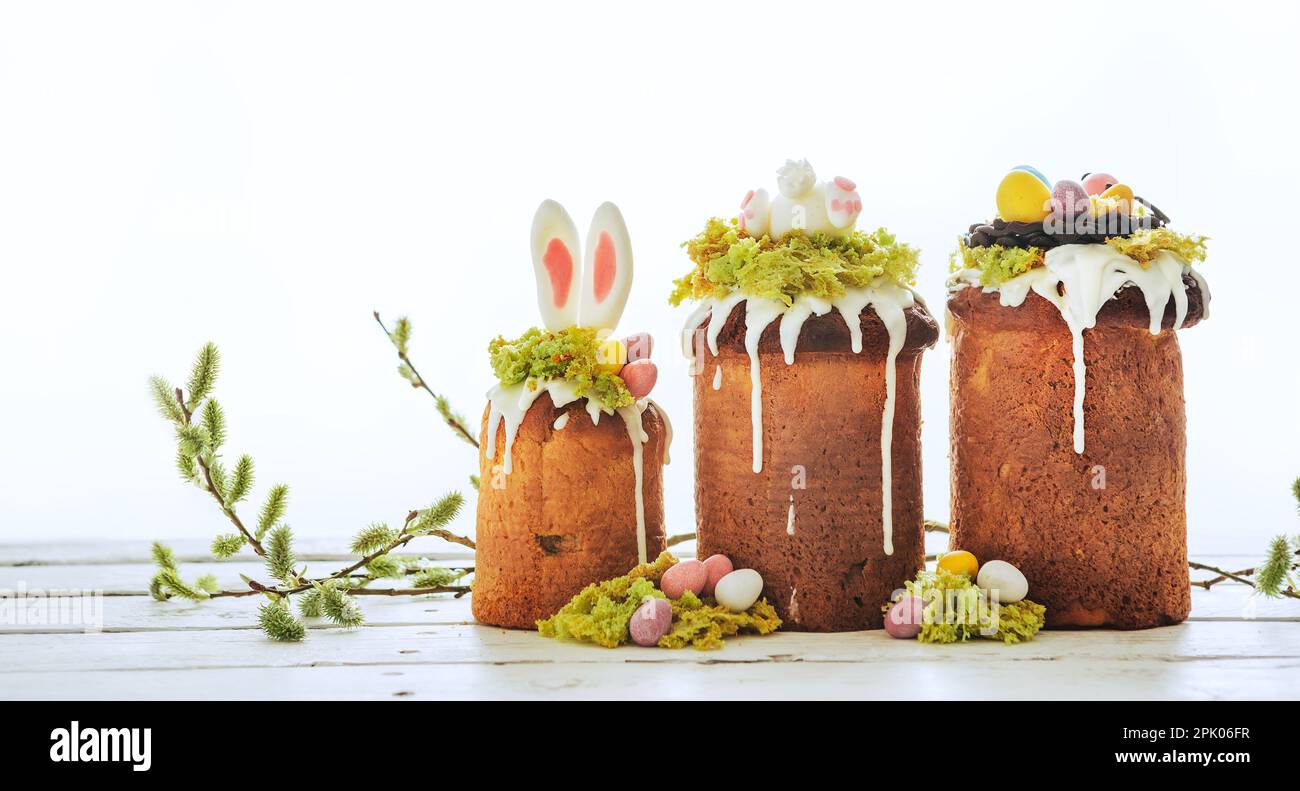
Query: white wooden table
[(1233, 646)]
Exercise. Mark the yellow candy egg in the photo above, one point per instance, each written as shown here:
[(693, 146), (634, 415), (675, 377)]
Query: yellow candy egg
[(960, 562), (611, 356), (1023, 197), (1121, 193)]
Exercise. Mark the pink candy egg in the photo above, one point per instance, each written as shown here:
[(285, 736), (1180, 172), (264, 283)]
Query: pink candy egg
[(1069, 199), (717, 566), (639, 346), (905, 618), (651, 621), (688, 575), (1096, 183), (640, 377)]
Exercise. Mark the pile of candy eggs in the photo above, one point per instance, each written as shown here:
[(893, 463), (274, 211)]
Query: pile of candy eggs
[(1025, 195), (735, 589), (629, 359), (1003, 582)]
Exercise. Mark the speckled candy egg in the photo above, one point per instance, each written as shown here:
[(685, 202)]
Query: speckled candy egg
[(904, 619), (960, 562), (1069, 199), (1023, 196), (640, 377), (739, 590), (651, 621), (1003, 581), (1097, 183), (718, 566), (688, 575)]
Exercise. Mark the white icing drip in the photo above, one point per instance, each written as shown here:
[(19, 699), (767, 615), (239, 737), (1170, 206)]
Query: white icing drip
[(793, 319), (721, 311), (758, 314), (891, 314), (890, 302), (717, 377), (636, 434), (789, 518), (594, 409), (1091, 275), (561, 421)]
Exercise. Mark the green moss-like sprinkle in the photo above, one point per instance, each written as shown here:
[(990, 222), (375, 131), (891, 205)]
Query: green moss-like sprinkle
[(1144, 245), (958, 619), (728, 260), (541, 355), (703, 625), (996, 264), (601, 612)]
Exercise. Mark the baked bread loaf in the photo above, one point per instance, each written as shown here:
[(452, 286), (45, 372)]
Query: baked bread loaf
[(806, 348), (1068, 429), (1102, 535), (571, 449), (566, 515), (810, 521)]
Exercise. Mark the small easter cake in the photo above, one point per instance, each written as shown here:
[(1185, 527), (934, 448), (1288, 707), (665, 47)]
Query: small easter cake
[(806, 348), (1068, 429), (571, 448)]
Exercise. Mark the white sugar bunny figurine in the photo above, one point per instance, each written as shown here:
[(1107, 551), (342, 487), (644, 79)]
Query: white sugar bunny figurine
[(604, 282), (802, 203)]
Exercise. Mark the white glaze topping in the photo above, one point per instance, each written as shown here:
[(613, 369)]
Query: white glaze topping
[(1091, 275), (789, 518), (890, 302)]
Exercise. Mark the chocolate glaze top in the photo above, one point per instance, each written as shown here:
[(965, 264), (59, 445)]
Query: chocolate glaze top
[(1128, 308), (829, 333)]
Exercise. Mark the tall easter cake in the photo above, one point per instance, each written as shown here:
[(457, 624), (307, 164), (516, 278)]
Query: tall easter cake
[(806, 349), (571, 447), (1067, 417)]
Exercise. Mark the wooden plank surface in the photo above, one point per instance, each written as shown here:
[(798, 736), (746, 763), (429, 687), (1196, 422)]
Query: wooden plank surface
[(1235, 646)]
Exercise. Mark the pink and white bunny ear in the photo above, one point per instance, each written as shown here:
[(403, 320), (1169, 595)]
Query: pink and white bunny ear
[(555, 264), (607, 274)]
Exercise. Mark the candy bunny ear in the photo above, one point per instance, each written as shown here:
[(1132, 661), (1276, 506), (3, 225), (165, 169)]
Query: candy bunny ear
[(607, 274), (555, 263)]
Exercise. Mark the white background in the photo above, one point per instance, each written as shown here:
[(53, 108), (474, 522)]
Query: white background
[(264, 175)]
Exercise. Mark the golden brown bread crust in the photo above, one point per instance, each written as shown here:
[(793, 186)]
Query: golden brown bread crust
[(1113, 556), (567, 515), (822, 413)]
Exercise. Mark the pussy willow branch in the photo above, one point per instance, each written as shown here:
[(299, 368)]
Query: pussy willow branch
[(1235, 576), (459, 590), (455, 425), (212, 488), (402, 540)]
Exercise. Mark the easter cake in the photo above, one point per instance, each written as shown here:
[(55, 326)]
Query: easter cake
[(571, 447), (1067, 415), (806, 347)]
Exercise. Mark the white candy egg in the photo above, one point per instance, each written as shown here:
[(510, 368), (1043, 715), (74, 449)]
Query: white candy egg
[(739, 590), (1004, 581)]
